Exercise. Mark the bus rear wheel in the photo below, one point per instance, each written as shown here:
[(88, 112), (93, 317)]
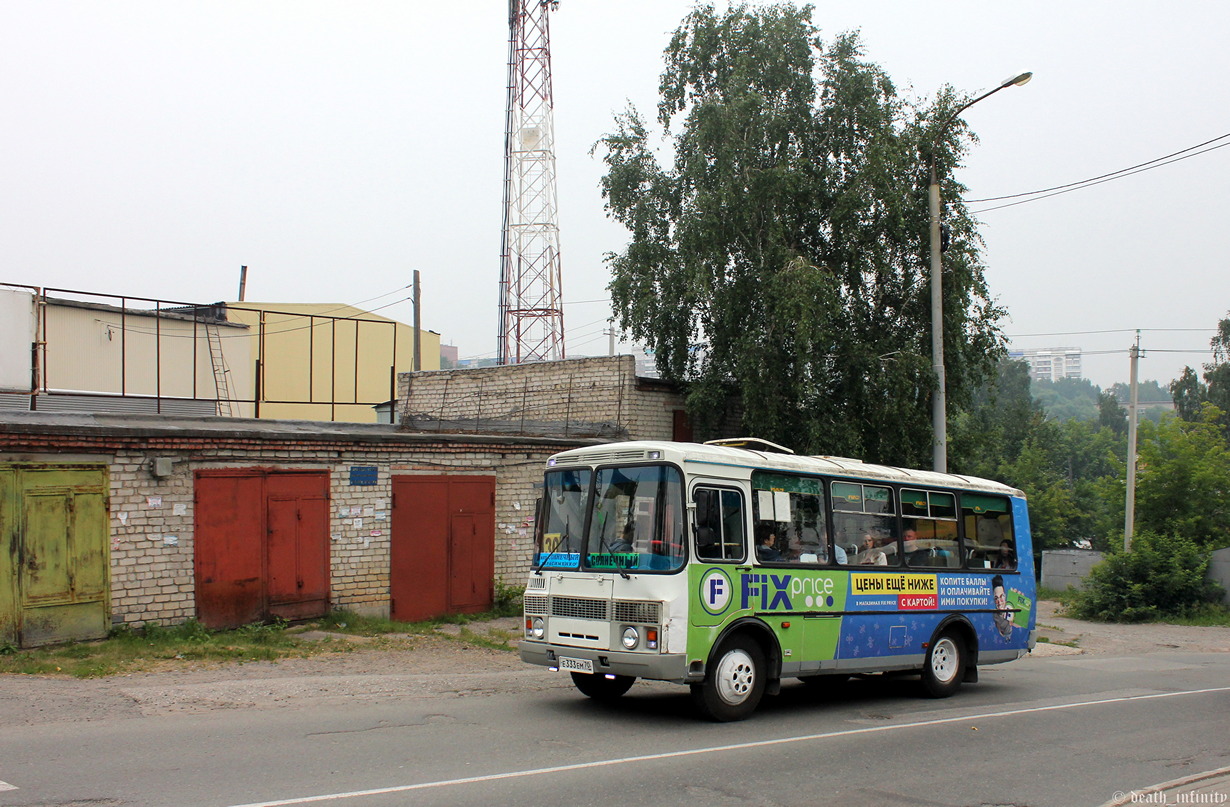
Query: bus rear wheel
[(601, 688), (944, 666), (734, 683)]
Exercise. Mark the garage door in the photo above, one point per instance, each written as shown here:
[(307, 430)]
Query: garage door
[(54, 567), (443, 546), (262, 545)]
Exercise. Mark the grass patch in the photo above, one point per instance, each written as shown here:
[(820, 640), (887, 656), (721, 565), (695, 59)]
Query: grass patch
[(153, 646), (1065, 597), (1049, 640), (492, 639), (358, 625), (1208, 615)]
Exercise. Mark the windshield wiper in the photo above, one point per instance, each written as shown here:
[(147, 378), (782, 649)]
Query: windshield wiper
[(603, 544), (563, 541)]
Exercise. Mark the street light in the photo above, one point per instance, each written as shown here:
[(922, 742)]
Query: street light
[(939, 403)]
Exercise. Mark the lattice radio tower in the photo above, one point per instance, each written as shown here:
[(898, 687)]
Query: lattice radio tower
[(531, 314)]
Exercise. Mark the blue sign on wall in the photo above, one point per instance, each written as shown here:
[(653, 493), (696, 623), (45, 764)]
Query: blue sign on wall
[(363, 474)]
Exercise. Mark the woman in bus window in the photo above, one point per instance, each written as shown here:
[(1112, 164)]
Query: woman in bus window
[(872, 555), (1007, 555)]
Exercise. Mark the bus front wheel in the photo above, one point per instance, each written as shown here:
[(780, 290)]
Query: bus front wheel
[(944, 666), (601, 688), (734, 683)]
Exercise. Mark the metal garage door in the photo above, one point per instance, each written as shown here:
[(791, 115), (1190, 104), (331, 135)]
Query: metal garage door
[(54, 567), (443, 546), (262, 545)]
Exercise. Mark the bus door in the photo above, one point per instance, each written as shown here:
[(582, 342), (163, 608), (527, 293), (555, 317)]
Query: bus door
[(719, 545)]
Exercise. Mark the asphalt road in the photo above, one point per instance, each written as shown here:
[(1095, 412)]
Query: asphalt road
[(1061, 731)]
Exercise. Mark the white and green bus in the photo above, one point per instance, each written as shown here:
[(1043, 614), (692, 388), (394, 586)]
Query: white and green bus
[(733, 565)]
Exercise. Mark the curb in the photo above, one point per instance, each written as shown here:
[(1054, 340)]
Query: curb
[(1210, 787)]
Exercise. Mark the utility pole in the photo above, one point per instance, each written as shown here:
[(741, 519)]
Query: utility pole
[(243, 281), (417, 364), (939, 399), (1129, 517)]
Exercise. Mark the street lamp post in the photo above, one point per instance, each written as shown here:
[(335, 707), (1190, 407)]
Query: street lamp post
[(939, 402)]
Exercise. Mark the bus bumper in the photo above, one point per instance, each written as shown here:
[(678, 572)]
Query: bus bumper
[(653, 666)]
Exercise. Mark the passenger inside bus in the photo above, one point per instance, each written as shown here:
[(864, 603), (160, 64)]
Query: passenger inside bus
[(766, 544), (872, 555), (1007, 555)]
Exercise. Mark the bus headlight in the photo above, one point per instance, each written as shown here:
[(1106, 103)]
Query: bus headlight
[(539, 628), (631, 638)]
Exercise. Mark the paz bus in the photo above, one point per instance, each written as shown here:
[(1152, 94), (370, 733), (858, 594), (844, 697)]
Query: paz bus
[(734, 565)]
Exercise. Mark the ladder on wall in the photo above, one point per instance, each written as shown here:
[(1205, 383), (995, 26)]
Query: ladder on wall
[(222, 374)]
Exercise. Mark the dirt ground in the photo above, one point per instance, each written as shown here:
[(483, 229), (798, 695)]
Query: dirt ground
[(434, 667)]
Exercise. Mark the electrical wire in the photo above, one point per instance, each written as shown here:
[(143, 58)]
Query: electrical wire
[(1090, 183), (1102, 176), (1115, 330)]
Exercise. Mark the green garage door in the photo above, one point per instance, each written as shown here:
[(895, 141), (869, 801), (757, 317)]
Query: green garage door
[(53, 562)]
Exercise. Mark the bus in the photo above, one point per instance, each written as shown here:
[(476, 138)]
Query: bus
[(733, 565)]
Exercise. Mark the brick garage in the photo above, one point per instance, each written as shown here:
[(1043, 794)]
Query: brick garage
[(152, 468)]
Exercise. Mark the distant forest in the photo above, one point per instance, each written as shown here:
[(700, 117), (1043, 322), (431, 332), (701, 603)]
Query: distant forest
[(1078, 398)]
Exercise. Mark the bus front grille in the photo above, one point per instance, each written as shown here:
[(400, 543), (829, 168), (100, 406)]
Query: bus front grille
[(642, 612), (579, 608), (535, 605)]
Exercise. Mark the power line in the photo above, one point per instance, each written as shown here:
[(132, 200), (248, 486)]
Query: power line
[(1115, 330), (1102, 176), (1058, 190)]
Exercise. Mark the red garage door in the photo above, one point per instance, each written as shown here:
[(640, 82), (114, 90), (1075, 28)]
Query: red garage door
[(443, 546), (262, 545)]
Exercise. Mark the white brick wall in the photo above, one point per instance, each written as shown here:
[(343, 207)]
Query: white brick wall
[(577, 397)]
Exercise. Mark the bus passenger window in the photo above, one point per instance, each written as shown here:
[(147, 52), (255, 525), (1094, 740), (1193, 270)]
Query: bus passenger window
[(864, 524), (989, 540), (929, 528), (791, 510)]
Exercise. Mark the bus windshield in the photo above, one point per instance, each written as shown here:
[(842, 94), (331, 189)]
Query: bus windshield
[(637, 519), (563, 518)]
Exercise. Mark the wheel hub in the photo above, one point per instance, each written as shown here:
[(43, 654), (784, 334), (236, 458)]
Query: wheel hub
[(736, 676)]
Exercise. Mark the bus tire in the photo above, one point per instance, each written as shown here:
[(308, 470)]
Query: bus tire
[(734, 683), (944, 667), (601, 688)]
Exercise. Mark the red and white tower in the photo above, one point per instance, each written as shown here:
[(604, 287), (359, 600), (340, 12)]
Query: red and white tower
[(531, 314)]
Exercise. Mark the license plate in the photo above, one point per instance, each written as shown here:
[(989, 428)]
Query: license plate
[(576, 664)]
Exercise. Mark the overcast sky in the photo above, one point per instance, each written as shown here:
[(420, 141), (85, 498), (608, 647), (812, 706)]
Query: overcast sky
[(151, 148)]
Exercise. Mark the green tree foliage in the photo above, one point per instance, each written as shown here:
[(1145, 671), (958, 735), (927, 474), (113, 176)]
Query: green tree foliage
[(1183, 478), (1110, 414), (1065, 467), (999, 418), (782, 259), (1163, 576), (1190, 393)]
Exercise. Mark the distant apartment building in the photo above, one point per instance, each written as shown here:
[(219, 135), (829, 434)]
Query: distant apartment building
[(1051, 363)]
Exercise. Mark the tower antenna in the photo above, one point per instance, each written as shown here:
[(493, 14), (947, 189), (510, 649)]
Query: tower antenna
[(531, 314)]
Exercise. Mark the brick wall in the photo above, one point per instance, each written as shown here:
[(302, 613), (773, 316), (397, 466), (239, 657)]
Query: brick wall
[(153, 518), (598, 397)]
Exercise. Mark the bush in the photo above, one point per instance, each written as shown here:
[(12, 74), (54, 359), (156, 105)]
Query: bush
[(1162, 576), (507, 600)]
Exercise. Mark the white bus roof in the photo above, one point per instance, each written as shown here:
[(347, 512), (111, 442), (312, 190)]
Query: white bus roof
[(733, 457)]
